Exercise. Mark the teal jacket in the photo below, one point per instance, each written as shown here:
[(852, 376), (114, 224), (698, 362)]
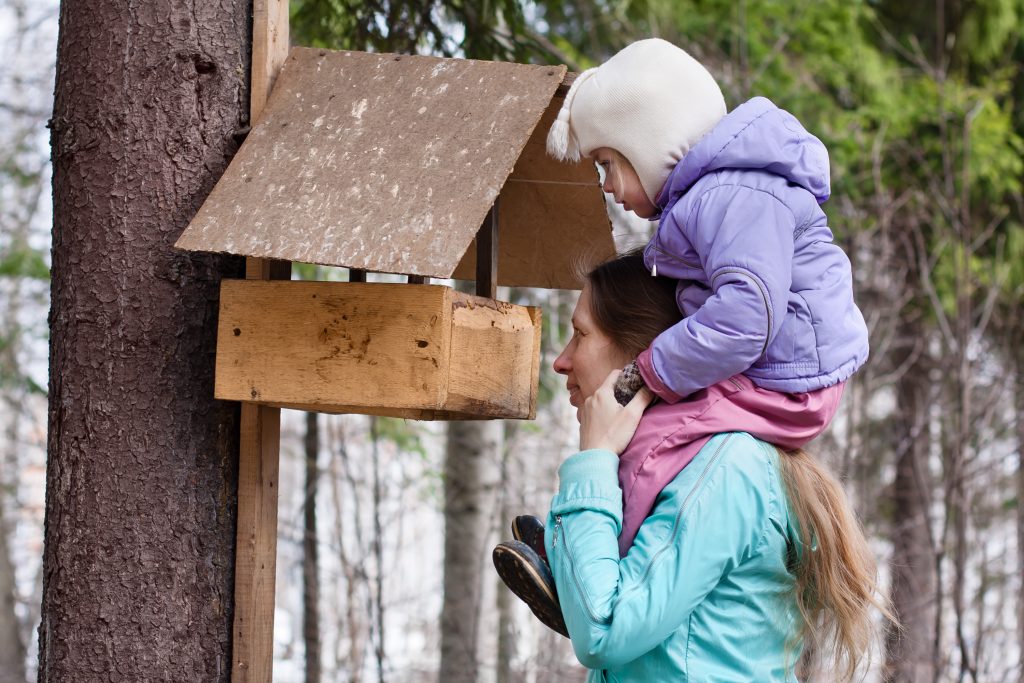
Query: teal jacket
[(704, 594)]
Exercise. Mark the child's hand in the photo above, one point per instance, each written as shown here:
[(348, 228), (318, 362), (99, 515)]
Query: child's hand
[(606, 424)]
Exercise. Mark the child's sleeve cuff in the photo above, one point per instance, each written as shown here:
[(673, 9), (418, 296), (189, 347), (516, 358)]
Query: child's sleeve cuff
[(645, 363)]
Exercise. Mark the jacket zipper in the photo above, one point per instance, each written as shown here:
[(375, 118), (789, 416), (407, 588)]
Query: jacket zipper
[(647, 572), (764, 298), (682, 509), (575, 577)]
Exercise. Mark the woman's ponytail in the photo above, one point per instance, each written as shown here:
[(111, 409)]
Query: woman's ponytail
[(836, 575)]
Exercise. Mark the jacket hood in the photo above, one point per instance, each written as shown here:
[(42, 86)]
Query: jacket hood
[(755, 135)]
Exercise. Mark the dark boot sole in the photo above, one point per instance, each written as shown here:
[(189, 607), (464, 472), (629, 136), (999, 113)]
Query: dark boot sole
[(530, 579)]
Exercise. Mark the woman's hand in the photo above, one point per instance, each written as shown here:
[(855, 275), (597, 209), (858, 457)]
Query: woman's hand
[(606, 424)]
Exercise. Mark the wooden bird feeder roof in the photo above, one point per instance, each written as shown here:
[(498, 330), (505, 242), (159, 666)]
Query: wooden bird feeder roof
[(390, 163)]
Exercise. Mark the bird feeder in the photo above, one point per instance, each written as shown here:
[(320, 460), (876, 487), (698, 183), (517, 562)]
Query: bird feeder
[(420, 166)]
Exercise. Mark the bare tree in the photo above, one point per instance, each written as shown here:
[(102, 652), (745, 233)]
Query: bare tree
[(142, 474), (910, 650), (471, 469), (310, 554), (1019, 401)]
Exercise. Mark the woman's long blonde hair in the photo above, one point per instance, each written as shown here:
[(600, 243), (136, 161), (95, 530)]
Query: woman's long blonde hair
[(836, 575)]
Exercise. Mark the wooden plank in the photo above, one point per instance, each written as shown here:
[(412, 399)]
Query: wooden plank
[(552, 217), (487, 255), (378, 349), (538, 321), (373, 345), (270, 38), (256, 544), (260, 436), (380, 162), (403, 413), (495, 357)]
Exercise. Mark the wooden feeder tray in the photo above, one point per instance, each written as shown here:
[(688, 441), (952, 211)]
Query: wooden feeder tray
[(418, 351)]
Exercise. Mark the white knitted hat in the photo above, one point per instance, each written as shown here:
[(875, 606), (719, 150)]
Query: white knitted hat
[(650, 102)]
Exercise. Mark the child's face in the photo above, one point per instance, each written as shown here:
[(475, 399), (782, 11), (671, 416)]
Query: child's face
[(622, 182), (590, 355)]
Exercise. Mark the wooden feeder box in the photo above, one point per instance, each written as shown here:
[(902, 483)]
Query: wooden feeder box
[(422, 166)]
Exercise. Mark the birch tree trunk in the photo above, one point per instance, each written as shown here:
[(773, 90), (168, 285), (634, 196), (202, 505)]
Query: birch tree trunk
[(12, 649), (142, 471), (471, 474), (1019, 400), (310, 554)]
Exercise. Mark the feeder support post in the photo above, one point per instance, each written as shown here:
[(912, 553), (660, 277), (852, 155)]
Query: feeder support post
[(487, 255), (260, 437)]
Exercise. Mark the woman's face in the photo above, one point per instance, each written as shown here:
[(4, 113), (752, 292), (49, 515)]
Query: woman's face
[(589, 356)]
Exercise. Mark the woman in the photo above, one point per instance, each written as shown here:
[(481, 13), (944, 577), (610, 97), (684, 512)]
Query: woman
[(748, 555)]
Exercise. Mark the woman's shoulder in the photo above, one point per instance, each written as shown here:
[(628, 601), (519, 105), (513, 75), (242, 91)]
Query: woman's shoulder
[(735, 467)]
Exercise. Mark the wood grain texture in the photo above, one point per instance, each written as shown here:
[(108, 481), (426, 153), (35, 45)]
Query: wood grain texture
[(316, 343), (421, 351), (494, 357), (259, 437), (270, 38), (256, 544)]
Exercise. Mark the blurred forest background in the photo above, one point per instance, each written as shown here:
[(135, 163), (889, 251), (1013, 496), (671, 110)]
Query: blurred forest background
[(386, 526)]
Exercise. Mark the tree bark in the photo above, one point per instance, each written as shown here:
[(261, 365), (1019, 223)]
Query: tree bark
[(310, 556), (471, 472), (142, 470), (910, 655)]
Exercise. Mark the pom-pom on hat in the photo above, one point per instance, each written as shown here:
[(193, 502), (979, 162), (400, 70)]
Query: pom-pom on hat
[(650, 102)]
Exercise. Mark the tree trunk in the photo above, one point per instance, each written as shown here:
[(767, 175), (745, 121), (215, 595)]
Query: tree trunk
[(12, 649), (910, 655), (310, 557), (142, 472), (511, 505), (1019, 398), (471, 472)]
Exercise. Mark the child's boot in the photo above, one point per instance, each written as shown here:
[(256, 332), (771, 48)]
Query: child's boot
[(530, 530), (530, 579)]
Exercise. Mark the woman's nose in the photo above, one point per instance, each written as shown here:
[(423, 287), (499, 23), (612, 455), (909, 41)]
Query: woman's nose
[(562, 364)]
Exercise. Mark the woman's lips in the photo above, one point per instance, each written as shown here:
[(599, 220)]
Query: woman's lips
[(573, 393)]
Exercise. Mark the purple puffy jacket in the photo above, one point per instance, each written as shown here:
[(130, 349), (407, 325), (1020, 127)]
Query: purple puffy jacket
[(765, 291)]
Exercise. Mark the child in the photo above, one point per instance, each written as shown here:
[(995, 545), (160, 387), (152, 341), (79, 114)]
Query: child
[(770, 329), (764, 291)]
